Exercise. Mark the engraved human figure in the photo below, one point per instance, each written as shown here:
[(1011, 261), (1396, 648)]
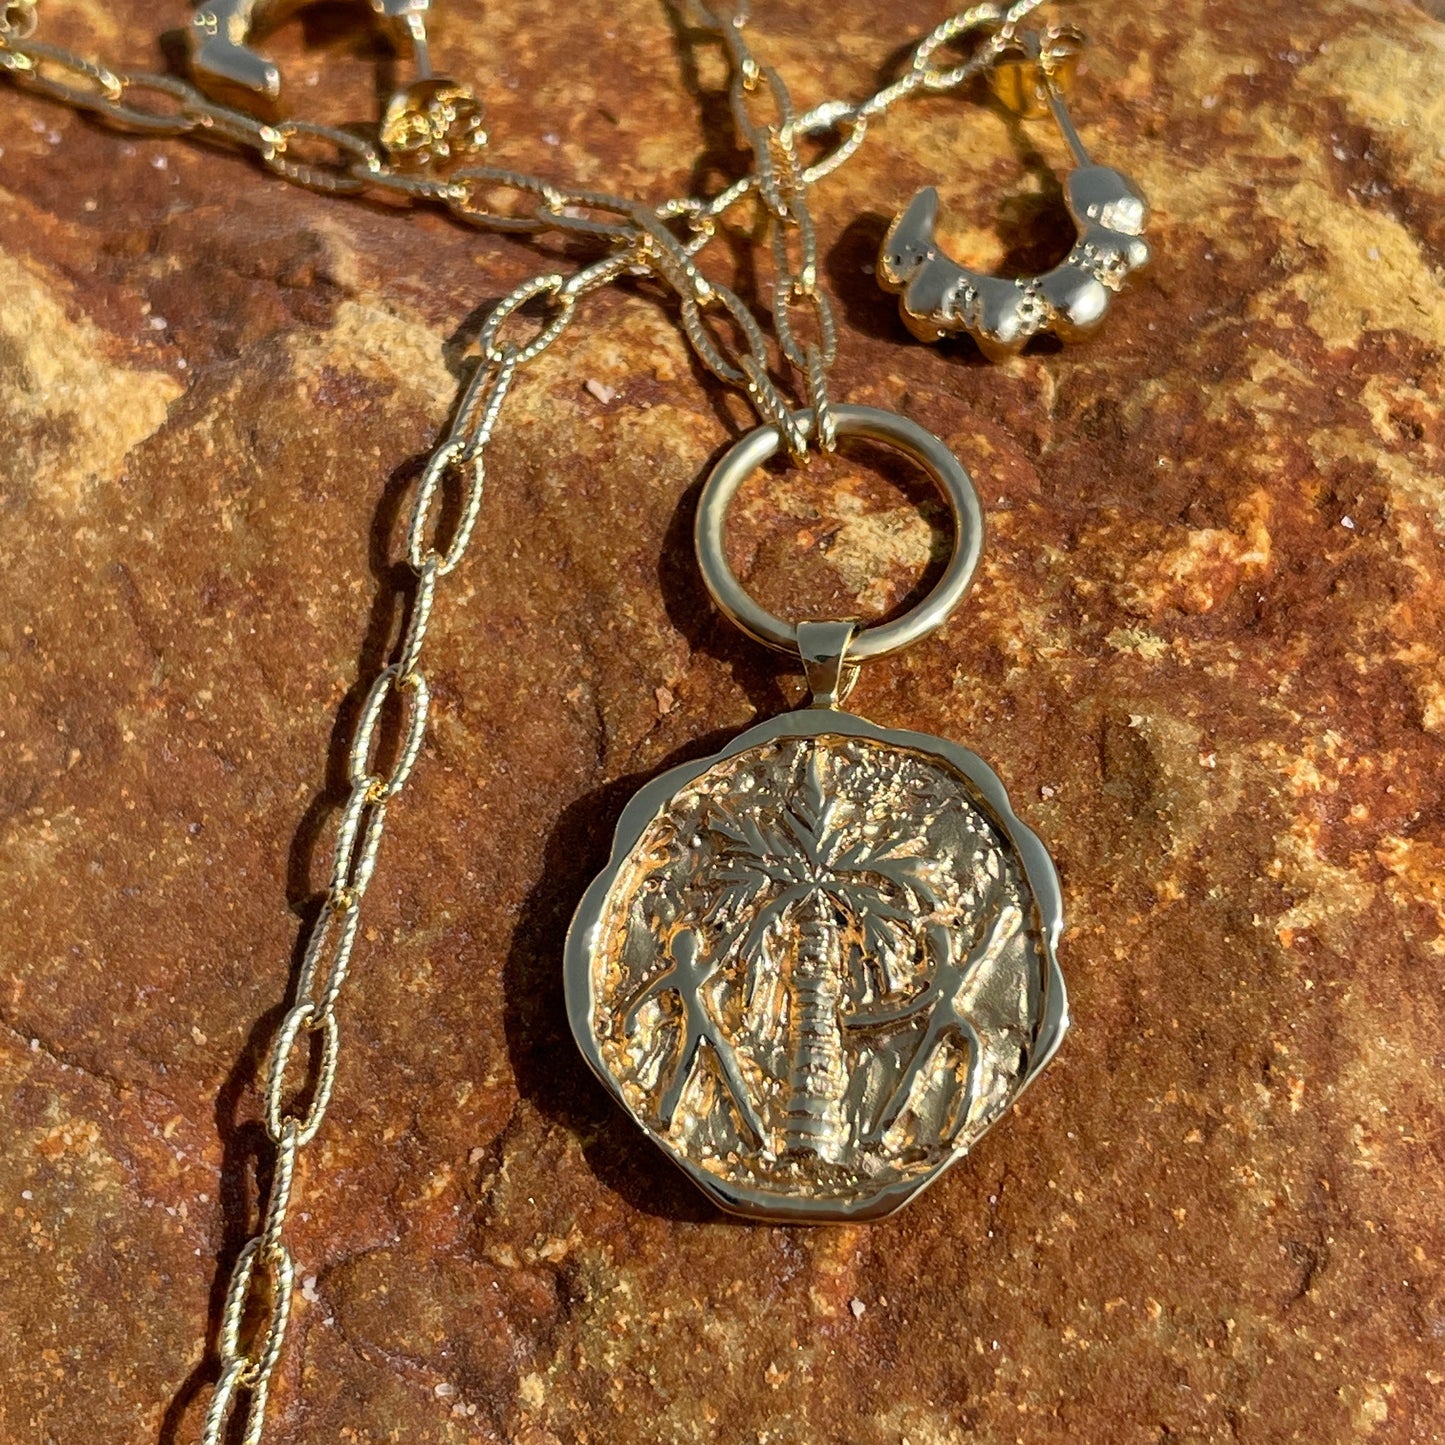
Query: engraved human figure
[(946, 1020), (688, 976)]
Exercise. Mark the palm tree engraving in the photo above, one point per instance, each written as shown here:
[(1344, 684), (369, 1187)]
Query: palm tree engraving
[(801, 885)]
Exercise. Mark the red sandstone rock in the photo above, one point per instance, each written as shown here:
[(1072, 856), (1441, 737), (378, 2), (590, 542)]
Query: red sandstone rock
[(1204, 652)]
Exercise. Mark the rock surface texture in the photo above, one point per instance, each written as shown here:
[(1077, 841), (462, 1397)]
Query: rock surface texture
[(1203, 651)]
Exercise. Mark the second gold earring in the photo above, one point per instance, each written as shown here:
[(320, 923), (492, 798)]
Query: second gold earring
[(939, 297)]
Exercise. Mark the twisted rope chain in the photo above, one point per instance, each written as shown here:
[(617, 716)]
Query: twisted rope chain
[(643, 240)]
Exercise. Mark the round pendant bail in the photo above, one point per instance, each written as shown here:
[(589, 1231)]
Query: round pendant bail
[(948, 475)]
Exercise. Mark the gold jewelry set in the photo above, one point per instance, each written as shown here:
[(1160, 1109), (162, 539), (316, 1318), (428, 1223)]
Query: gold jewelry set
[(820, 963)]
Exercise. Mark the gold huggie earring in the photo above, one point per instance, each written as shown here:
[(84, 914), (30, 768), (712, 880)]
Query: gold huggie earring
[(430, 120), (940, 297)]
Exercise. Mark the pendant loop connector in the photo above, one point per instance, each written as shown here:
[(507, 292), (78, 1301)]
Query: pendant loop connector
[(823, 646), (877, 639)]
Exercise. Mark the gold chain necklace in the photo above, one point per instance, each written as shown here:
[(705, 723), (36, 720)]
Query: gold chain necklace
[(791, 934)]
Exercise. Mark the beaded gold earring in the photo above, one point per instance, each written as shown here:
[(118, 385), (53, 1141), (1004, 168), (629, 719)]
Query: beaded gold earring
[(939, 297)]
